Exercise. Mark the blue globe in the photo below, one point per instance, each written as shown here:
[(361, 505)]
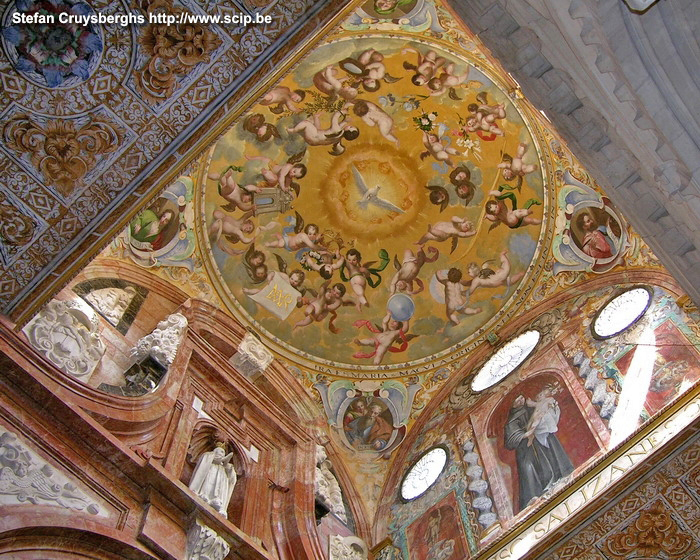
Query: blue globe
[(401, 307)]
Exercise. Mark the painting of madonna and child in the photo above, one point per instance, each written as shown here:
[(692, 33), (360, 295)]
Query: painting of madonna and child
[(537, 437)]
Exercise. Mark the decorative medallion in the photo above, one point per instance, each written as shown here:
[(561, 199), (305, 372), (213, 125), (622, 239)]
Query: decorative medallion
[(48, 44)]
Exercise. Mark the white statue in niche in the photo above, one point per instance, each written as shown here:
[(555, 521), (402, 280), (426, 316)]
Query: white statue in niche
[(111, 302), (214, 478)]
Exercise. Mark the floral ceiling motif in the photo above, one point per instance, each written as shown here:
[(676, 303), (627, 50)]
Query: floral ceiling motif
[(52, 54)]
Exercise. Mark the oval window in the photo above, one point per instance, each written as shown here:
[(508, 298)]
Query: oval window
[(621, 312), (505, 360), (424, 472)]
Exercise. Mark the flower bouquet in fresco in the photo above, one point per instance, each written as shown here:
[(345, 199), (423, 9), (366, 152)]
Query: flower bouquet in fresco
[(426, 121)]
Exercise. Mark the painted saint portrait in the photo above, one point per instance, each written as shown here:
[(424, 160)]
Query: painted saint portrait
[(388, 9), (155, 227), (542, 437), (596, 233), (368, 425), (438, 533)]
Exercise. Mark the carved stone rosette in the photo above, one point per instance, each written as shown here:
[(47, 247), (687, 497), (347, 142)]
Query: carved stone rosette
[(163, 342), (203, 543), (68, 337), (252, 357)]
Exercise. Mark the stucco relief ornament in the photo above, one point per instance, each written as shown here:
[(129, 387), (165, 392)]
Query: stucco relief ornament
[(163, 342), (203, 543), (172, 50), (16, 228), (214, 478), (111, 302), (347, 548), (252, 358), (25, 477), (64, 151), (68, 336), (326, 485)]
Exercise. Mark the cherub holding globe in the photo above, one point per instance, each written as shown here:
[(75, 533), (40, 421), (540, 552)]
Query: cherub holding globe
[(393, 330)]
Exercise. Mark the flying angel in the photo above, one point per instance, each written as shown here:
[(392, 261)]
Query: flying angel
[(369, 196)]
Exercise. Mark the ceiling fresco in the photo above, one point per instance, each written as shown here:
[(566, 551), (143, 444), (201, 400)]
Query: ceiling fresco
[(379, 206)]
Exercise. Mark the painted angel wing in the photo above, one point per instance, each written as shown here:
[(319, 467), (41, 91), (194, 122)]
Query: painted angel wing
[(298, 222), (296, 158)]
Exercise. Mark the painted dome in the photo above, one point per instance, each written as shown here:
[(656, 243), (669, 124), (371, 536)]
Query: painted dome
[(376, 209)]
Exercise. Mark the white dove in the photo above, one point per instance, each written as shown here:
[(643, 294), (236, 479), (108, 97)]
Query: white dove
[(369, 196)]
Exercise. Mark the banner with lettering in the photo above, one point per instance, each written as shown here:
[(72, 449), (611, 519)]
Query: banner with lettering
[(278, 297)]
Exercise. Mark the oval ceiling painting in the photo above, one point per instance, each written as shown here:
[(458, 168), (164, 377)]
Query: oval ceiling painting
[(376, 208)]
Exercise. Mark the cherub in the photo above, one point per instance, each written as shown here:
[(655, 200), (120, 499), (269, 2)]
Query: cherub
[(483, 116), (369, 69), (454, 229), (438, 196), (233, 230), (254, 263), (497, 212), (283, 98), (302, 238), (460, 177), (447, 80), (282, 175), (327, 302), (310, 129), (263, 131), (384, 338), (372, 115), (426, 67), (407, 272), (327, 266), (455, 302), (513, 167), (358, 276), (489, 278), (237, 196), (327, 82), (436, 149), (545, 416)]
